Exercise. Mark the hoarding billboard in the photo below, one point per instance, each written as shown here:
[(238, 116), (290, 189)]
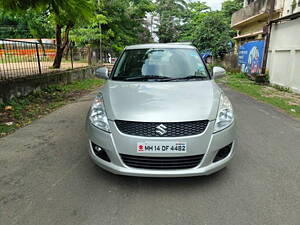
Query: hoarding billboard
[(251, 56)]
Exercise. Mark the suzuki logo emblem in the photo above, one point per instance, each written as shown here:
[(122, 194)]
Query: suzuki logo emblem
[(161, 129)]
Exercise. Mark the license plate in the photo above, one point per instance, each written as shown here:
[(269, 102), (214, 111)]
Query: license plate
[(163, 147)]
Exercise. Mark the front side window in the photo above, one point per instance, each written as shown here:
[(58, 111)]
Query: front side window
[(160, 64)]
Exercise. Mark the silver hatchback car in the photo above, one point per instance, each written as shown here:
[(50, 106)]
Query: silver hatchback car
[(161, 114)]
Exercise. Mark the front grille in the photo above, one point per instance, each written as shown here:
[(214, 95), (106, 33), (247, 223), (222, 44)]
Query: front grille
[(161, 163), (174, 129)]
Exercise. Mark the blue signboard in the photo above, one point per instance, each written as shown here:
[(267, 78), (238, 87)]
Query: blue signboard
[(251, 56)]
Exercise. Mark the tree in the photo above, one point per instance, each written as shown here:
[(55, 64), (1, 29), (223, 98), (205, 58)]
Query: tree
[(213, 34), (29, 24), (229, 7), (39, 25), (122, 23), (194, 13), (170, 14), (13, 26), (64, 13), (208, 30)]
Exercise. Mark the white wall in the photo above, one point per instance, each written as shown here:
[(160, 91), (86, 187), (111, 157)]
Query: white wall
[(279, 5), (288, 9), (284, 55)]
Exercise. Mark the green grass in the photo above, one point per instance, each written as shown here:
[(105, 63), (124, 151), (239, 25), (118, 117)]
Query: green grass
[(4, 129), (23, 58), (75, 61), (273, 96), (26, 109)]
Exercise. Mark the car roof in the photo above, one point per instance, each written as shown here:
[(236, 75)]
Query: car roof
[(160, 45)]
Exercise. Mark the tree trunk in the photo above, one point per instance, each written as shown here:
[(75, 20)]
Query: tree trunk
[(58, 56), (43, 46), (89, 55), (66, 52), (61, 44)]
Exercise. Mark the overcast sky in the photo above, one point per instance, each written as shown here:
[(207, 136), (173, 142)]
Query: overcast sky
[(214, 4)]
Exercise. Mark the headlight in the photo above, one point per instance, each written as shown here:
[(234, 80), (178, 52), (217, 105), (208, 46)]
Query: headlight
[(97, 114), (225, 114)]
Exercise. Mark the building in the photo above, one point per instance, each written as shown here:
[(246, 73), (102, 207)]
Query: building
[(290, 7), (152, 21), (284, 50), (252, 18)]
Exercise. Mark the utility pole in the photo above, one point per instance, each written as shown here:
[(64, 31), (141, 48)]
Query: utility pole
[(100, 45), (268, 36), (151, 26), (100, 42)]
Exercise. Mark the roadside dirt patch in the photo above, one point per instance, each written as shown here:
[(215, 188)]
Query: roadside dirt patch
[(20, 112), (294, 99)]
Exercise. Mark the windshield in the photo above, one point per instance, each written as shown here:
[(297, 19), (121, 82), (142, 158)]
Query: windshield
[(160, 65)]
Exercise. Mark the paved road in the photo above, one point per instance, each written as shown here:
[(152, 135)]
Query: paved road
[(47, 178)]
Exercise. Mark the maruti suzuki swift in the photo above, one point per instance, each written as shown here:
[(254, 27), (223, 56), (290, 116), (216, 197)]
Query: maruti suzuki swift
[(161, 114)]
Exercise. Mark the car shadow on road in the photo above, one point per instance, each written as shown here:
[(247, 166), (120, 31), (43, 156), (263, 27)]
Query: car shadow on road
[(165, 183)]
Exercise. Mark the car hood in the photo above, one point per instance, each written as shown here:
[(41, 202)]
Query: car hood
[(161, 101)]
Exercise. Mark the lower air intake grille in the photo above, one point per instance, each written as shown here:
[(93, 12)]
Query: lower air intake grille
[(167, 163)]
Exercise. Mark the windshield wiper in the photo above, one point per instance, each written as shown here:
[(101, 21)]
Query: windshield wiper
[(160, 78), (148, 77), (191, 77)]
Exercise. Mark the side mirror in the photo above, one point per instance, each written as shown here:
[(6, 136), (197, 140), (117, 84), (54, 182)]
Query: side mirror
[(102, 73), (218, 72)]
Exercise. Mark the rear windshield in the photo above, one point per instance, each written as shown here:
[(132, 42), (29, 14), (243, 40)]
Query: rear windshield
[(168, 63)]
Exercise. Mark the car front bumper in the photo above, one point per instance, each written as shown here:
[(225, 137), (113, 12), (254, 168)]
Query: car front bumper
[(207, 143)]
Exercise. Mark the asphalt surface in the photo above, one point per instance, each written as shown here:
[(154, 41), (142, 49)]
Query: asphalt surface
[(46, 177)]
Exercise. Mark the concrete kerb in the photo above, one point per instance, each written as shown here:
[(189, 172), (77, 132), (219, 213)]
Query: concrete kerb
[(24, 86)]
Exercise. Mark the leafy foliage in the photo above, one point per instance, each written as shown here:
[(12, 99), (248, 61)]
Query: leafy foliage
[(29, 24), (13, 26), (193, 15), (118, 23), (228, 8), (210, 30), (24, 110), (171, 13), (212, 33), (113, 24), (39, 24), (64, 13)]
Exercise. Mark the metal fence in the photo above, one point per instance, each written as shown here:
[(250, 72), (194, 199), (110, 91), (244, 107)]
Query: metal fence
[(21, 59)]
